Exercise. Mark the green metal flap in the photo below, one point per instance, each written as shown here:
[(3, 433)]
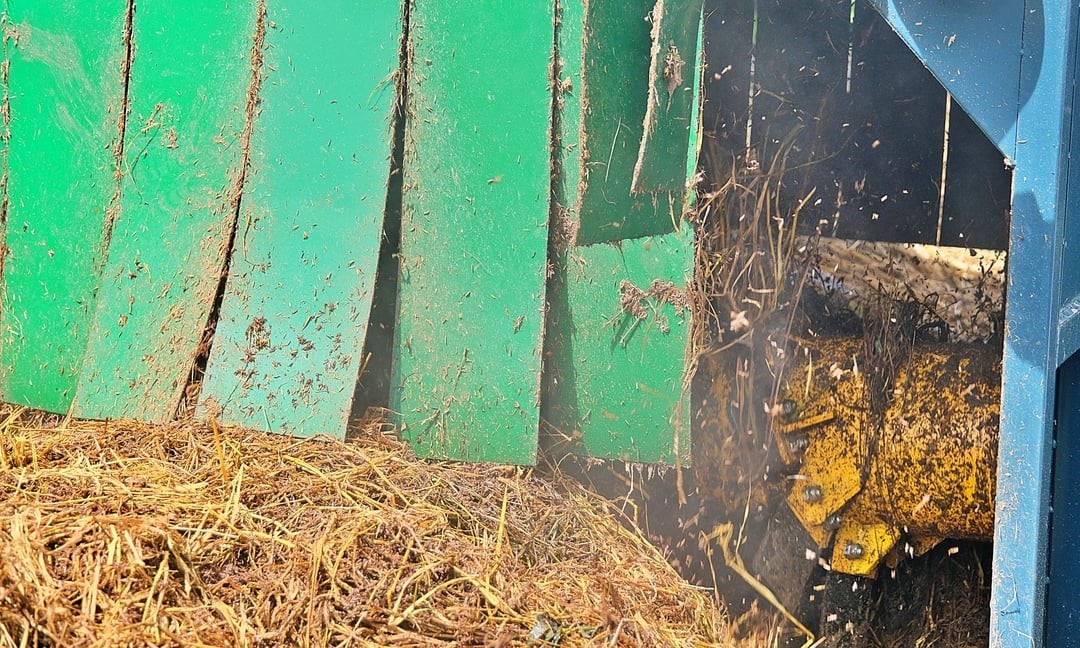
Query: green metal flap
[(674, 78), (287, 349), (64, 73), (615, 54), (474, 229), (619, 329), (184, 151)]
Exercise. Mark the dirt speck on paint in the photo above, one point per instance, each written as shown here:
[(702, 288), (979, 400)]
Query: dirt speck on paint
[(634, 300), (563, 226), (564, 229), (673, 69), (258, 334), (213, 407)]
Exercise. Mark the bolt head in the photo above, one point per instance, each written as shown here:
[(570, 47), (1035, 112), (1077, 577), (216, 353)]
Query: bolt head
[(798, 443), (854, 551), (832, 523), (788, 408), (812, 494)]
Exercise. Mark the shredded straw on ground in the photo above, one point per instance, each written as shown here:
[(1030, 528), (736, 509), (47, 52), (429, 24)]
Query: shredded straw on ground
[(125, 534)]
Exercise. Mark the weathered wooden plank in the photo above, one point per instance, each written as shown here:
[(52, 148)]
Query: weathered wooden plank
[(616, 53), (286, 351), (614, 382), (184, 149), (673, 82), (474, 229), (64, 71)]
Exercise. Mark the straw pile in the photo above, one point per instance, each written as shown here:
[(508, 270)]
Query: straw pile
[(124, 534)]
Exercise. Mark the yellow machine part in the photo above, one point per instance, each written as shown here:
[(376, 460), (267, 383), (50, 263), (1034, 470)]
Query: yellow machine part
[(922, 469)]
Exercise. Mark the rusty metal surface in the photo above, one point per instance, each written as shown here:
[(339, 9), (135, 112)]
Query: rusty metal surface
[(924, 469)]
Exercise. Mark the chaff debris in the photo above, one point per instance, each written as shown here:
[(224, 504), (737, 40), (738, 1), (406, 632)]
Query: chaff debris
[(191, 535)]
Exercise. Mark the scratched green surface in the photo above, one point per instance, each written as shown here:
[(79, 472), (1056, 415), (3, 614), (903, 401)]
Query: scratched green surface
[(612, 382), (65, 96), (183, 156), (474, 229), (286, 351), (617, 45), (669, 122)]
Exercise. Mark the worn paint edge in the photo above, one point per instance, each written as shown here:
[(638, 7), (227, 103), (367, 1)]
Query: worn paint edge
[(696, 335), (5, 133), (582, 154), (649, 123), (112, 211)]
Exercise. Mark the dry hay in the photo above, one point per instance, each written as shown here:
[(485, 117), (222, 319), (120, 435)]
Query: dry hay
[(125, 534)]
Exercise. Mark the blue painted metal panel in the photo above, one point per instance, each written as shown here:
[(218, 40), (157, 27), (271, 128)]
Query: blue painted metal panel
[(1062, 611), (1062, 608), (1011, 66), (1018, 601), (971, 47)]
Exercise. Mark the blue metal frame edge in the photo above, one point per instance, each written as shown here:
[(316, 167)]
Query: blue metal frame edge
[(1040, 201)]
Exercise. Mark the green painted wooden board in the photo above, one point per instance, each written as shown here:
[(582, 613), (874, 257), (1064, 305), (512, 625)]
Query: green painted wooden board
[(614, 383), (191, 74), (65, 89), (286, 352), (474, 229), (673, 97), (615, 60)]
